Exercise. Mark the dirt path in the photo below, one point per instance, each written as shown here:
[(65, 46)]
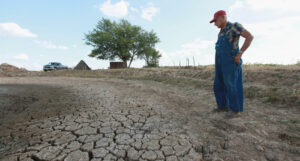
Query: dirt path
[(59, 118)]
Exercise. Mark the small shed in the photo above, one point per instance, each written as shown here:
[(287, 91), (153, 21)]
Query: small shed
[(116, 65), (82, 66)]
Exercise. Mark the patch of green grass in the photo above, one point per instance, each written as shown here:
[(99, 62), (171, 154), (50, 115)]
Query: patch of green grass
[(290, 121), (272, 95), (283, 122), (295, 121), (297, 129), (251, 92)]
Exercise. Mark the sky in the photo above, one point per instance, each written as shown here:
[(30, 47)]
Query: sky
[(34, 32)]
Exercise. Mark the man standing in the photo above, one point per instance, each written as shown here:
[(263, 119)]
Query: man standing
[(228, 82)]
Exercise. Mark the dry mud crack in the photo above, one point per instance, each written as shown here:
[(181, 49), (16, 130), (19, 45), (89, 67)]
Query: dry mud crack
[(46, 118)]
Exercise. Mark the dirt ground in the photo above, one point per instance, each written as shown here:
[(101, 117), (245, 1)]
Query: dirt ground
[(72, 118)]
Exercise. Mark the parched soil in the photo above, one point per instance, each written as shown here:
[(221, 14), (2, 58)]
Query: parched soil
[(105, 118)]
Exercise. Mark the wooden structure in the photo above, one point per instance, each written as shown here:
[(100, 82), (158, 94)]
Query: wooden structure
[(116, 65)]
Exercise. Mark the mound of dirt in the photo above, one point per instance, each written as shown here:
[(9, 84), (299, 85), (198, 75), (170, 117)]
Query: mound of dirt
[(10, 70)]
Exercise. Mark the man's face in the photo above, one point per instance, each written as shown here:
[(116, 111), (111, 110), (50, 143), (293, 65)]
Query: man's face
[(219, 21)]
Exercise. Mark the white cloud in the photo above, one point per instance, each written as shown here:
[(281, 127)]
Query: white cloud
[(196, 46), (278, 5), (133, 9), (199, 49), (21, 56), (37, 66), (237, 4), (274, 26), (13, 29), (149, 11), (50, 45), (165, 59), (118, 9)]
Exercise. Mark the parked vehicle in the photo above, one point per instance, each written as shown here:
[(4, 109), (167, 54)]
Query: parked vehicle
[(54, 66)]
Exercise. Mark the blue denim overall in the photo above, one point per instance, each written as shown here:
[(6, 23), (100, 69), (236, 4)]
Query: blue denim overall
[(228, 82)]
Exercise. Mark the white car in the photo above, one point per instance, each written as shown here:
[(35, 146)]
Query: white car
[(54, 66)]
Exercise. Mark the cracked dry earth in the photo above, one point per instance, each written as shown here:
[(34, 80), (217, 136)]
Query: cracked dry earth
[(60, 118)]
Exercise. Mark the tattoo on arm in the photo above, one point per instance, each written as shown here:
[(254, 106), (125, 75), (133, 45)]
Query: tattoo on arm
[(248, 36)]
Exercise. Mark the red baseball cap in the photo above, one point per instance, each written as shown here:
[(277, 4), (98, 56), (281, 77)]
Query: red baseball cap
[(217, 14)]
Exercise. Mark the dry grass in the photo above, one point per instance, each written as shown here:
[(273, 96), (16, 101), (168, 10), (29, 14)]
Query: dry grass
[(10, 70), (268, 82)]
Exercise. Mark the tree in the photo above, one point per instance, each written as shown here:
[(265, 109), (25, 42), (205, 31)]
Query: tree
[(151, 57), (121, 40)]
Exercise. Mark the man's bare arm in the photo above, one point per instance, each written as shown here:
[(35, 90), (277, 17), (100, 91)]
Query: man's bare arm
[(247, 35)]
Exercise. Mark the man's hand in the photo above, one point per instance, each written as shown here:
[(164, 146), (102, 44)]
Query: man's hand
[(247, 35), (237, 58)]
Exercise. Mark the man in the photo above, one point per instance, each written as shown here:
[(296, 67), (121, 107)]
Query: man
[(228, 82)]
